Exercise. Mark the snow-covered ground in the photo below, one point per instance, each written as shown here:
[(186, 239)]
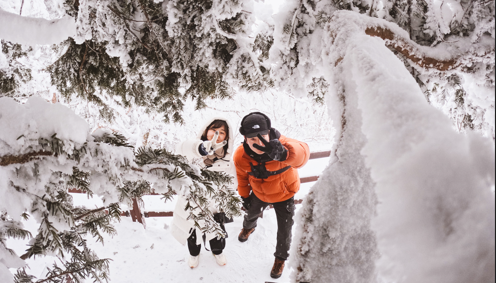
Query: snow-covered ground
[(153, 255)]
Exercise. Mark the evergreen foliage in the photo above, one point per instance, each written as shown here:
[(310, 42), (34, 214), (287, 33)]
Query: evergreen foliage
[(80, 180), (157, 55), (154, 54), (15, 74), (204, 183), (85, 69), (318, 89), (127, 175)]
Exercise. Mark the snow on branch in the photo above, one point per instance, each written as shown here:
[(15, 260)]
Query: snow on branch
[(403, 183), (441, 57), (23, 158), (409, 50), (31, 31)]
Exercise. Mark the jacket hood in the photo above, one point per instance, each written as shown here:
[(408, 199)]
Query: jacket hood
[(230, 143)]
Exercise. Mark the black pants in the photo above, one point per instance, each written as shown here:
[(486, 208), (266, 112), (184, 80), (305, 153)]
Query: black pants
[(284, 213), (216, 245)]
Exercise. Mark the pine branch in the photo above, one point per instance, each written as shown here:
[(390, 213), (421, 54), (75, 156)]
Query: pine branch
[(12, 229), (24, 158), (72, 271), (22, 277), (409, 50), (90, 212), (207, 216), (22, 5), (150, 27), (115, 139), (79, 181), (55, 146), (81, 68), (120, 15), (94, 223)]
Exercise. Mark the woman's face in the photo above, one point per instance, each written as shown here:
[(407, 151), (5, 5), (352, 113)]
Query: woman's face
[(222, 134)]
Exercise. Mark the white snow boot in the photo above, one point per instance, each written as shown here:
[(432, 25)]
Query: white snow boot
[(193, 261), (220, 259)]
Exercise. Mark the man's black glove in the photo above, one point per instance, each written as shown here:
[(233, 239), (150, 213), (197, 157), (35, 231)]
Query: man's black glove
[(246, 202), (274, 149)]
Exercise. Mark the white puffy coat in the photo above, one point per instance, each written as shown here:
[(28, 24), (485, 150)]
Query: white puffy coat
[(181, 227)]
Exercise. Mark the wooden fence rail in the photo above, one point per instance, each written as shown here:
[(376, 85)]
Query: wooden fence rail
[(138, 216)]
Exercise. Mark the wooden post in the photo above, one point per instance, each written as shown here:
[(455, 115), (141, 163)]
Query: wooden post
[(136, 213)]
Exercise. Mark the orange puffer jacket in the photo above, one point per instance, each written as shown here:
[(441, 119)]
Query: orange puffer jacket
[(278, 187)]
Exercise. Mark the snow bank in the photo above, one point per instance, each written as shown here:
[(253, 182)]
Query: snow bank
[(31, 31)]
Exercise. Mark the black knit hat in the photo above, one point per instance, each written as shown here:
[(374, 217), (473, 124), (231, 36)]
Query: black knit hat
[(253, 124)]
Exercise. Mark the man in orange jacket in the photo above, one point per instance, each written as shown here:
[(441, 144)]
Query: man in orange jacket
[(266, 166)]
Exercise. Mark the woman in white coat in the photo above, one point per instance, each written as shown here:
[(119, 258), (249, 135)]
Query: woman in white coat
[(215, 146)]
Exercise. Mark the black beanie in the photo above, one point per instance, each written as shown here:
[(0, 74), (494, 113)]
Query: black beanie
[(253, 124)]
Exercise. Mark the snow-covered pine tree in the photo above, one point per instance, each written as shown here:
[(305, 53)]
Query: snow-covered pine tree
[(308, 22), (147, 52), (462, 91), (39, 163)]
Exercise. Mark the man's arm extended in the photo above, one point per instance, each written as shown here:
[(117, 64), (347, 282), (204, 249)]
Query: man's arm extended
[(298, 152)]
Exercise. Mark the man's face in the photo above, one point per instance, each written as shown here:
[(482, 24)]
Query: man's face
[(256, 140)]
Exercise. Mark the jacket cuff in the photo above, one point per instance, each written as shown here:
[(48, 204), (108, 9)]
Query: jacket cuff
[(284, 154), (202, 150), (243, 193)]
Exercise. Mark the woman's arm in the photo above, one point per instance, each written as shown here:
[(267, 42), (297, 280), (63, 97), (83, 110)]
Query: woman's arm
[(190, 148)]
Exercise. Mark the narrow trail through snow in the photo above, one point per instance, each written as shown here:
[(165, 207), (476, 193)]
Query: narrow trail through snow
[(153, 255)]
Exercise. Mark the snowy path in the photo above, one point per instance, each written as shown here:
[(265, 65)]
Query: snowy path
[(153, 255)]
